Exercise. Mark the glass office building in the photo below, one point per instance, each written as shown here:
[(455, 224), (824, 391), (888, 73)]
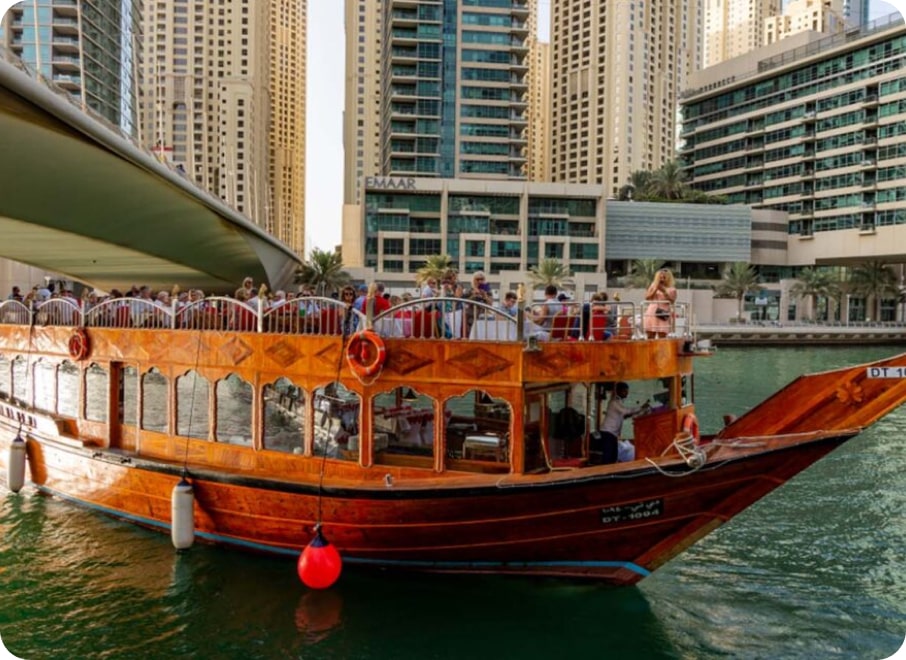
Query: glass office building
[(817, 130), (453, 87), (87, 47)]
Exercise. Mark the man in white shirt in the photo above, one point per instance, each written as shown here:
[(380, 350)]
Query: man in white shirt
[(612, 428)]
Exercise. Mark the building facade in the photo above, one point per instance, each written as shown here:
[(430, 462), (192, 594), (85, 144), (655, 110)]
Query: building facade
[(362, 111), (617, 69), (800, 15), (89, 48), (735, 27), (284, 204), (815, 127), (223, 98), (453, 88)]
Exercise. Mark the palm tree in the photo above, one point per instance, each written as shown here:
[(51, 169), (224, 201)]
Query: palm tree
[(738, 279), (642, 272), (436, 266), (875, 281), (637, 188), (324, 271), (812, 284), (550, 271), (669, 182)]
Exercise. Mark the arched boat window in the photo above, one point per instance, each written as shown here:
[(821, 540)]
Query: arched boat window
[(96, 393), (6, 381), (403, 424), (476, 428), (155, 387), (234, 411), (68, 382), (129, 395), (284, 417), (193, 392), (336, 422), (45, 386), (20, 382)]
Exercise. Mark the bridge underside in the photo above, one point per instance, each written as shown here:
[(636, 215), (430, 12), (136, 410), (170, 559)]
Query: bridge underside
[(79, 200)]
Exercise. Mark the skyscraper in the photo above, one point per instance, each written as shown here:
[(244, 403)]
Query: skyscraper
[(223, 97), (538, 114), (450, 80), (799, 15), (88, 48), (856, 12), (362, 113), (617, 70), (735, 27)]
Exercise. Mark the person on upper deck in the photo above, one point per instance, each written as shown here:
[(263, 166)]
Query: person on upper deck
[(661, 294), (510, 303), (543, 313)]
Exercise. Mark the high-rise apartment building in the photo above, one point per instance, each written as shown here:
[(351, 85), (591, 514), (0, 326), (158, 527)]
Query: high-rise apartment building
[(734, 27), (362, 113), (813, 126), (223, 97), (617, 70), (435, 88), (537, 134), (855, 12), (819, 15), (284, 212), (88, 48)]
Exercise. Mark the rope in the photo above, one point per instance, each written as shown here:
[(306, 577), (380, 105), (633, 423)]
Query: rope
[(185, 459), (692, 454), (344, 338)]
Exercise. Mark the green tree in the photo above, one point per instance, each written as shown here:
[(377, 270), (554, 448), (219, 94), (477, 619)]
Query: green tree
[(436, 266), (812, 284), (642, 272), (875, 281), (323, 271), (669, 182), (738, 279), (550, 271), (637, 188)]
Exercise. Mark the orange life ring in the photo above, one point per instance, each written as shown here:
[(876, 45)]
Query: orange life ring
[(690, 425), (79, 345), (366, 353)]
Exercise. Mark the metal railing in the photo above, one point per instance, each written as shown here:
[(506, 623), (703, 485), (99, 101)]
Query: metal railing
[(443, 318)]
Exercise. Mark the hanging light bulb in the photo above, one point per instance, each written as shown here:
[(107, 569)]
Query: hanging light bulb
[(320, 563), (409, 395)]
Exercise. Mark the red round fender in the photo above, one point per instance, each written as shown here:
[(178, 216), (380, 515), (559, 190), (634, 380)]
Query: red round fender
[(690, 425), (366, 353), (79, 344)]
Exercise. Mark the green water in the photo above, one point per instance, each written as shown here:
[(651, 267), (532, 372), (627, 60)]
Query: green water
[(816, 570)]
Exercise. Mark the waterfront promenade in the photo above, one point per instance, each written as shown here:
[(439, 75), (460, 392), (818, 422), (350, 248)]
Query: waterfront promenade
[(798, 332)]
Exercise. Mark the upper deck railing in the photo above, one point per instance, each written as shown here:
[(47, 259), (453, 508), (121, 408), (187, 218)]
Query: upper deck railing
[(424, 318)]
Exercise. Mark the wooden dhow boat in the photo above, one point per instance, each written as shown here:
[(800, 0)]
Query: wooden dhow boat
[(441, 435)]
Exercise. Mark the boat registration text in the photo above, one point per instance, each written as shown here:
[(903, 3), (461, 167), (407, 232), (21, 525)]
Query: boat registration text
[(886, 372), (633, 511)]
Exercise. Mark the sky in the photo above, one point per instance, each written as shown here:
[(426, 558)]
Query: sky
[(324, 146)]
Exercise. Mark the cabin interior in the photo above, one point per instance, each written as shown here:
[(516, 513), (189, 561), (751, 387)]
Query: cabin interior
[(116, 406)]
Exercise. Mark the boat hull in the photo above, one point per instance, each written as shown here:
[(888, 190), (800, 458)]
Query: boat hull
[(597, 524)]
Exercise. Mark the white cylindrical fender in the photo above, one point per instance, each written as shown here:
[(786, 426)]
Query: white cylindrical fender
[(182, 509), (15, 465)]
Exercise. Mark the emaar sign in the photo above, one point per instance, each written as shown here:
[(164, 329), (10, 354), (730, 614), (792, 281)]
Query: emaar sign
[(389, 183)]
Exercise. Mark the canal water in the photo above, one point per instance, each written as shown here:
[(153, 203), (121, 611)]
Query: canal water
[(816, 570)]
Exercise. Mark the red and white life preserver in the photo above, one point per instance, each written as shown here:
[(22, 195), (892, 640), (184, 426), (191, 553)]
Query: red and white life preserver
[(79, 345), (366, 353), (690, 425)]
